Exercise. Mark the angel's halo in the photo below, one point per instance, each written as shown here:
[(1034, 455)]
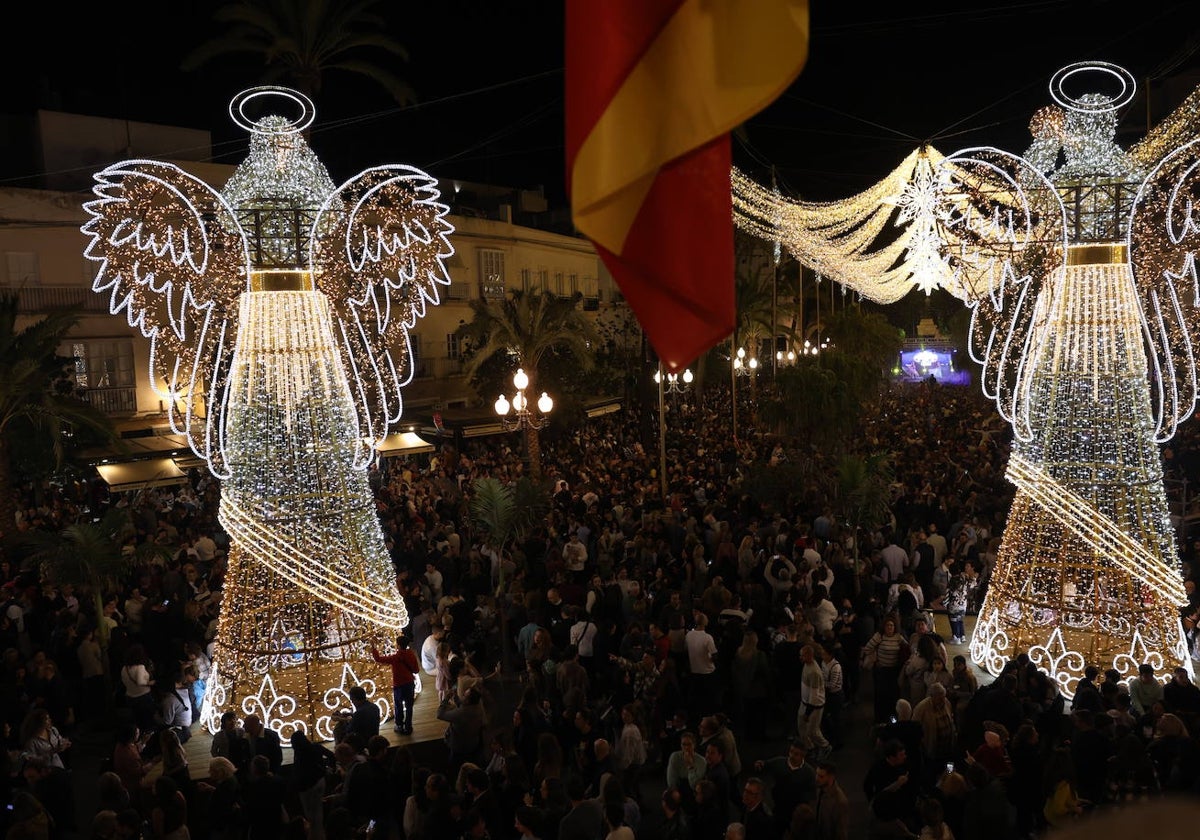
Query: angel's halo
[(237, 109), (1110, 103)]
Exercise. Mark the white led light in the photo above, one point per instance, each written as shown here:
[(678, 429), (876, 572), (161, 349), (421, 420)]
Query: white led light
[(1093, 106), (278, 365)]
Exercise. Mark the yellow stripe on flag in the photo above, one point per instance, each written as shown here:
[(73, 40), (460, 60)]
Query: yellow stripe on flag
[(714, 65)]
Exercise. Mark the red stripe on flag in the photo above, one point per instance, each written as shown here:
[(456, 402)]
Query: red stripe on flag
[(605, 39), (677, 267)]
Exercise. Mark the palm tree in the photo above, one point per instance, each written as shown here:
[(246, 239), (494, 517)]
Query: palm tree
[(89, 557), (864, 495), (37, 392), (300, 43), (529, 326), (865, 335), (503, 514)]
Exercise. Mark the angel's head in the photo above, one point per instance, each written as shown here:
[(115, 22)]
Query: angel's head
[(1048, 123)]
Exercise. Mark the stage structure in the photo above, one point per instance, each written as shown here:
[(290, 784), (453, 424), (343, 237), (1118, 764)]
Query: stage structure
[(278, 312), (1077, 260)]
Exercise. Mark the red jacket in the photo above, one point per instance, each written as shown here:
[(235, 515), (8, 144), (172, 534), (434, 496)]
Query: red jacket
[(404, 665)]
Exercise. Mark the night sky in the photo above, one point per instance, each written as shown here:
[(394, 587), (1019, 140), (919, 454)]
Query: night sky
[(489, 79)]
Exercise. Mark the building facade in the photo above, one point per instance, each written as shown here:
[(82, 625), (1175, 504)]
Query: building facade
[(504, 239)]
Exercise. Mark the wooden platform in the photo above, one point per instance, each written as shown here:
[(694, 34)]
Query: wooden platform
[(426, 727)]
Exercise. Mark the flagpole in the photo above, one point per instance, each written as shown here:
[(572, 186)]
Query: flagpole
[(662, 437)]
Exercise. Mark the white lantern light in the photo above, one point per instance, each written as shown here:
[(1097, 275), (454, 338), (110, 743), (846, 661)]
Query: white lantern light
[(545, 404), (520, 379), (502, 406)]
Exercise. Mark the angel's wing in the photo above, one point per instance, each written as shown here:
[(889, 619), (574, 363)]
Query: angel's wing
[(379, 249), (1004, 226), (1164, 235), (173, 258)]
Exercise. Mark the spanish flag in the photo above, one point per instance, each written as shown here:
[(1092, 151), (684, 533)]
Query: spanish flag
[(653, 88)]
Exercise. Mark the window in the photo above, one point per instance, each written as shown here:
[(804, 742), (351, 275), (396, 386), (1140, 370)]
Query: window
[(526, 279), (416, 357), (560, 288), (491, 272), (21, 267), (103, 364), (453, 346), (543, 279), (572, 283), (457, 290)]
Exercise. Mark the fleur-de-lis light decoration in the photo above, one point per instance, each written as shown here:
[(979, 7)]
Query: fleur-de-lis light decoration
[(278, 312)]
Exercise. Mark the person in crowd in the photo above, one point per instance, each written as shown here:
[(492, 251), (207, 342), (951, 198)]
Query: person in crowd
[(662, 582), (405, 669), (263, 741)]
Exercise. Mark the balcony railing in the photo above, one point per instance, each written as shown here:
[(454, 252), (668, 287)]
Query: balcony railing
[(438, 368), (37, 299), (113, 400)]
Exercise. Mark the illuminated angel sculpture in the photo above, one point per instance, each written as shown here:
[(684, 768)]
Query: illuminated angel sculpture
[(1086, 341), (278, 313), (1077, 260)]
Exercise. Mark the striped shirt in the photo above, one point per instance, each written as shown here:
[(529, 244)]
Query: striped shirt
[(832, 671), (886, 649)]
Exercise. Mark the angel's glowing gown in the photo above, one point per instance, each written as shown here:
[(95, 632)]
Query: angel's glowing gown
[(310, 586), (1087, 572)]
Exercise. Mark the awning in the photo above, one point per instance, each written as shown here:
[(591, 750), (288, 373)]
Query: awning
[(599, 410), (403, 443), (137, 475), (482, 429)]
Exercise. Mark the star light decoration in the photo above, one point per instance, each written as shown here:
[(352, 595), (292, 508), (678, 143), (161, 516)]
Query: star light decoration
[(278, 313), (1077, 260)]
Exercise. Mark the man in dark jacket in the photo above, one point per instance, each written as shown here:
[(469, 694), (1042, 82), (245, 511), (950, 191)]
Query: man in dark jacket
[(263, 741), (364, 720), (585, 820), (464, 735)]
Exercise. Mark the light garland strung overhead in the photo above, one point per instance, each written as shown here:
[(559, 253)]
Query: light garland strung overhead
[(925, 226), (278, 313)]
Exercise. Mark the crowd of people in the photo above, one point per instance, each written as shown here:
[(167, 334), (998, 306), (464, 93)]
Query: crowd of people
[(603, 676)]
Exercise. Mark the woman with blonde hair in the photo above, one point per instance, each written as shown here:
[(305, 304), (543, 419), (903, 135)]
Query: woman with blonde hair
[(174, 760), (750, 671), (629, 752), (747, 560), (40, 737), (1173, 754), (549, 763), (444, 681), (224, 795)]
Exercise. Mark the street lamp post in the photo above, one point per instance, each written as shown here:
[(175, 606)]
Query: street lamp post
[(522, 417), (667, 383), (739, 366)]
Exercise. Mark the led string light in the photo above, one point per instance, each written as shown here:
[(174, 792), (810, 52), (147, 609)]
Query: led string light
[(278, 313), (1087, 570), (1096, 529), (1080, 272)]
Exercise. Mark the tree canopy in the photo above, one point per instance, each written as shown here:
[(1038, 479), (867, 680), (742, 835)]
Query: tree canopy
[(300, 43), (39, 402)]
